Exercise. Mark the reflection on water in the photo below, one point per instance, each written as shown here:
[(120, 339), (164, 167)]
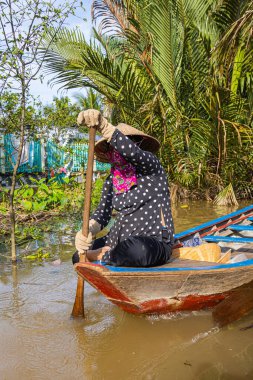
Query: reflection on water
[(39, 340)]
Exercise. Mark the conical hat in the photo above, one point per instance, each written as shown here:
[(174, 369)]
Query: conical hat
[(148, 143)]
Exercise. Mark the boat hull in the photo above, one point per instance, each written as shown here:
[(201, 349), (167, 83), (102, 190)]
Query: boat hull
[(164, 290)]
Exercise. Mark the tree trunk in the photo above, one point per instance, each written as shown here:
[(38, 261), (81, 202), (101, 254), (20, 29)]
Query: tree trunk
[(14, 176)]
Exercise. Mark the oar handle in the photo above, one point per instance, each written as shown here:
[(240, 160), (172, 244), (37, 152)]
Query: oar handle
[(88, 186), (78, 307)]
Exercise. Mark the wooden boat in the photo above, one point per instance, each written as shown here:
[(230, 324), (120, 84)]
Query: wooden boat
[(182, 284)]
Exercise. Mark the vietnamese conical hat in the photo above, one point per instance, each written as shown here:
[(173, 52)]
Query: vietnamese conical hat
[(148, 143)]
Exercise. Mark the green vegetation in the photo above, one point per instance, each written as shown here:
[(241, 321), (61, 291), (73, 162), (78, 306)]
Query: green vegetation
[(43, 201), (59, 115), (24, 24), (181, 70), (40, 255), (47, 197)]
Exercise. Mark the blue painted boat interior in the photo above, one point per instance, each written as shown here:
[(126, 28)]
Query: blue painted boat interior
[(245, 263), (228, 239), (213, 222), (239, 227)]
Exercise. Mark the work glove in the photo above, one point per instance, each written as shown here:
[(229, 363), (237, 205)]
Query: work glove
[(93, 118), (94, 227), (83, 243)]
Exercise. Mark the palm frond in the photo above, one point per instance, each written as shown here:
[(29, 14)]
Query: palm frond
[(89, 100), (226, 197), (226, 12), (177, 47), (113, 14), (233, 55)]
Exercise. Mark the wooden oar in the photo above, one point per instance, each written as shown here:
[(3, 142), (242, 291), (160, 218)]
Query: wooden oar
[(78, 308), (235, 306)]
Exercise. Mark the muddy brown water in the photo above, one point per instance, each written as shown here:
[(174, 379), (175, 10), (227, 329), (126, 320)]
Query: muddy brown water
[(39, 340)]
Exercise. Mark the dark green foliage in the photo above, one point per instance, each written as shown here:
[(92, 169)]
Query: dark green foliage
[(180, 70)]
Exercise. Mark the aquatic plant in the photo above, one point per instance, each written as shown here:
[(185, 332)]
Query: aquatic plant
[(44, 201)]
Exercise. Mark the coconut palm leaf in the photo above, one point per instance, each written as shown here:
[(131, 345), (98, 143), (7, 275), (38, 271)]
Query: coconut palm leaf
[(176, 49), (226, 12), (89, 100), (113, 14), (121, 80), (234, 52), (226, 197)]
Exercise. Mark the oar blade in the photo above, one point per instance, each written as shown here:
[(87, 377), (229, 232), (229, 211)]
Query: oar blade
[(78, 307), (235, 306)]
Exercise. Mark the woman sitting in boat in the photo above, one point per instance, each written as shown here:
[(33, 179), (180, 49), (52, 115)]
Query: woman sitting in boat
[(137, 188)]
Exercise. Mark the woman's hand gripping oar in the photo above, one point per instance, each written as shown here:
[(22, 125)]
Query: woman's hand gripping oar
[(78, 308)]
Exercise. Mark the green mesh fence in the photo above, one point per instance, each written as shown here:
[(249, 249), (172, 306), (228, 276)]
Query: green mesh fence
[(79, 156), (34, 162), (102, 167), (54, 156), (74, 157)]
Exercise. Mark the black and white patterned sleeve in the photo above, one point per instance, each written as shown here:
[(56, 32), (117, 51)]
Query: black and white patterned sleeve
[(103, 212), (132, 153)]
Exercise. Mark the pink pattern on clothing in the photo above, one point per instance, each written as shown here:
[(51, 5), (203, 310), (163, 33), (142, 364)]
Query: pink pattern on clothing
[(123, 173)]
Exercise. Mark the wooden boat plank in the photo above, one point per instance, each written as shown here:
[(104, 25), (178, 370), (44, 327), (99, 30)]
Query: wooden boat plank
[(139, 288), (240, 227), (179, 263), (246, 251), (227, 239)]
